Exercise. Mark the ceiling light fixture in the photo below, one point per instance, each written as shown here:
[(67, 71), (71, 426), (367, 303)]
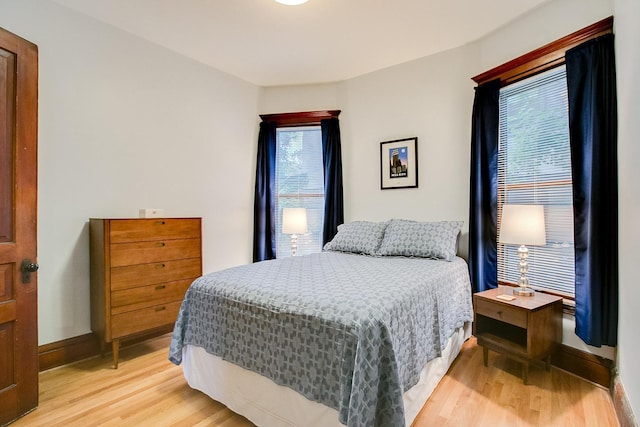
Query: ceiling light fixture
[(292, 2)]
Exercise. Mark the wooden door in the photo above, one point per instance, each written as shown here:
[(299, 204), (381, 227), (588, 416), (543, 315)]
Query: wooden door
[(18, 196)]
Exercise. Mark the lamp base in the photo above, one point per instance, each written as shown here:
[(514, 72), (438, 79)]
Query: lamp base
[(294, 244), (523, 292)]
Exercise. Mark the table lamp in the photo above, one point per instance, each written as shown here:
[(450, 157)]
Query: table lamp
[(294, 222), (523, 225)]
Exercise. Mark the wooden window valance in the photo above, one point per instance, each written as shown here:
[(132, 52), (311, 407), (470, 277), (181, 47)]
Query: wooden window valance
[(308, 118), (544, 58)]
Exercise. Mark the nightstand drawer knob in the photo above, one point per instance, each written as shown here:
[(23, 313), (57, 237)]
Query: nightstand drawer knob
[(499, 313)]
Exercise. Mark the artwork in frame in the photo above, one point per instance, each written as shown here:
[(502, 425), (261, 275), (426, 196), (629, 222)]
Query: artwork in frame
[(399, 163)]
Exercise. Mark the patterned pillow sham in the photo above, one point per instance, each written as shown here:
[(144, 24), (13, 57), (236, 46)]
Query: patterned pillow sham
[(435, 240), (361, 237)]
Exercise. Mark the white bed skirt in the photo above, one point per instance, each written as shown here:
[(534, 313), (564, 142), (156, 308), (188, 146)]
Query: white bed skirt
[(268, 404)]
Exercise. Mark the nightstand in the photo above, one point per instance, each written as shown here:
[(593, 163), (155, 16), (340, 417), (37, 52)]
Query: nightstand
[(524, 329)]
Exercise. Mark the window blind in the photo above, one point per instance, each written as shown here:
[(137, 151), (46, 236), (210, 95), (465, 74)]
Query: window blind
[(534, 167), (300, 184)]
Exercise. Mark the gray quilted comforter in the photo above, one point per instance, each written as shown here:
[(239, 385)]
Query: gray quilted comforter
[(349, 331)]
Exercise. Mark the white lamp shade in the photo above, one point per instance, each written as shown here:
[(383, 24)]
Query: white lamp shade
[(522, 225), (294, 221), (292, 2)]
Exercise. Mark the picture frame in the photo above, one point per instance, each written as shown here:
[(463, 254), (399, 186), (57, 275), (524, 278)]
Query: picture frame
[(399, 163)]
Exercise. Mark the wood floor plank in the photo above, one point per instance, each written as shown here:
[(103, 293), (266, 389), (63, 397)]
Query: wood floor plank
[(148, 390), (495, 396)]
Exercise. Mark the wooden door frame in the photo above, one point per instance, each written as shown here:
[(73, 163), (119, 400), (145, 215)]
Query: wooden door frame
[(25, 134)]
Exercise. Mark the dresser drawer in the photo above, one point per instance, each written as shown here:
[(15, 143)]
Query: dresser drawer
[(133, 230), (142, 320), (153, 251), (503, 312), (158, 272), (147, 296)]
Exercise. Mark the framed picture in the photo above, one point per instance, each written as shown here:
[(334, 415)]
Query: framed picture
[(399, 163)]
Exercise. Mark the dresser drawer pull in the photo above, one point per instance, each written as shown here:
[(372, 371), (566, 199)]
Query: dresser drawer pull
[(160, 244), (160, 287), (161, 308), (160, 222), (499, 312), (159, 265)]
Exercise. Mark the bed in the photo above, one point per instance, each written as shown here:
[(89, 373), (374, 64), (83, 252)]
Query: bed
[(357, 335)]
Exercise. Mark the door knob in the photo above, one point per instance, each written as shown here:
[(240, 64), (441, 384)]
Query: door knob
[(28, 267)]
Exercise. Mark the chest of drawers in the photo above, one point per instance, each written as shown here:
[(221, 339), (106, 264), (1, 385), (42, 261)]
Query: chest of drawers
[(140, 270)]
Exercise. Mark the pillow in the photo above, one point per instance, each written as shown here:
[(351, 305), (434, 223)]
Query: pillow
[(361, 237), (435, 240)]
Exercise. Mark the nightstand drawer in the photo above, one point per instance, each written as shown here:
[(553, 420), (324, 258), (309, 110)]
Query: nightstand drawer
[(502, 312)]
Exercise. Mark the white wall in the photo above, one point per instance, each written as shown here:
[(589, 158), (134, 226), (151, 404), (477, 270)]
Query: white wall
[(431, 98), (547, 23), (124, 124), (627, 32), (287, 99)]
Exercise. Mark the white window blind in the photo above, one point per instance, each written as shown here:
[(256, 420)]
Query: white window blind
[(300, 184), (534, 167)]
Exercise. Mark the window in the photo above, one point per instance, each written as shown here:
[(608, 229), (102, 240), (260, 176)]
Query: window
[(290, 173), (534, 167), (300, 184)]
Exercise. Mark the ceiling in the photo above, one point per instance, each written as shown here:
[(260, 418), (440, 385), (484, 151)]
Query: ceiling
[(270, 44)]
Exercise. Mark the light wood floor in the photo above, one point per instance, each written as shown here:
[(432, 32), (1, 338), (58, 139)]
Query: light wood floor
[(147, 390)]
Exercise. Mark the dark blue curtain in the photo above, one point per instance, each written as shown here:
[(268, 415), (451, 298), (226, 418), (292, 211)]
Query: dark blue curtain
[(483, 203), (593, 122), (264, 239), (332, 160)]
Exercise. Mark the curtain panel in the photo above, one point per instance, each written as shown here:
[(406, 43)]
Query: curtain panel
[(264, 239), (483, 210), (332, 161), (591, 81)]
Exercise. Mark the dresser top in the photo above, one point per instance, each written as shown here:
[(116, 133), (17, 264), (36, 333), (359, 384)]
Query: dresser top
[(142, 219)]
